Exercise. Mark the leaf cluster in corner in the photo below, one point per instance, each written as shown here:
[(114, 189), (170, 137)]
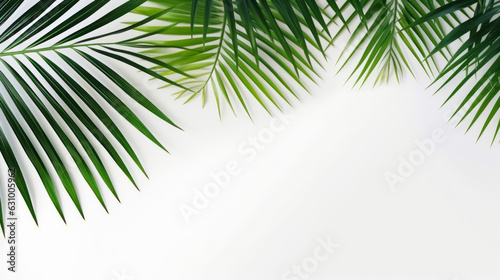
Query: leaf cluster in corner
[(35, 81)]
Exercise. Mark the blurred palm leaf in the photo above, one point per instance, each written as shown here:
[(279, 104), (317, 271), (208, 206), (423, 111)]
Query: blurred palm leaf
[(232, 47), (34, 77)]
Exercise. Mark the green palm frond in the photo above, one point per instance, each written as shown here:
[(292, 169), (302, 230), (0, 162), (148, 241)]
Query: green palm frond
[(382, 37), (478, 56), (231, 47), (40, 78), (54, 71)]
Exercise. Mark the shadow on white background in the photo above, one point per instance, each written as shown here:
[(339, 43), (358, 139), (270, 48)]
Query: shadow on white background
[(320, 176)]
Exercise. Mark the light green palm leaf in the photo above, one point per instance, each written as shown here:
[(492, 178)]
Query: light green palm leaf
[(231, 48)]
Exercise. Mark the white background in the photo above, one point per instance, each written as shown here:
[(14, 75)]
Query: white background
[(321, 176)]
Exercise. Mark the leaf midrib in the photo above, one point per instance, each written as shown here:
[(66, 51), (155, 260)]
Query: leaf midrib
[(52, 48), (219, 50)]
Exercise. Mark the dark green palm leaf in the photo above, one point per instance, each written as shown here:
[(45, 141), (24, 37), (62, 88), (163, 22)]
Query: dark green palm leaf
[(238, 50), (28, 66), (382, 43), (477, 57)]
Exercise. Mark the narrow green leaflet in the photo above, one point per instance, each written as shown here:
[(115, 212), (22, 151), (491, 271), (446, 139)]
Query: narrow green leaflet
[(476, 62), (379, 47), (33, 87), (235, 45), (241, 52)]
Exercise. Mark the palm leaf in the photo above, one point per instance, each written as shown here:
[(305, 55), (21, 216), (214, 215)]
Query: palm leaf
[(33, 80), (382, 43), (237, 51), (234, 47), (478, 56)]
